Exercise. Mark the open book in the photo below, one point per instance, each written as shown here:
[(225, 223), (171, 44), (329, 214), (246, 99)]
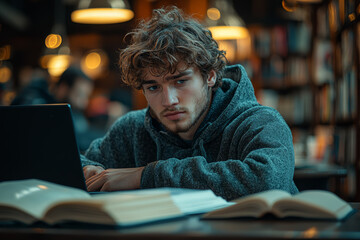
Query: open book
[(30, 201), (318, 204)]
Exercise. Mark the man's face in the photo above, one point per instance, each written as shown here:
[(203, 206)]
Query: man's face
[(180, 100)]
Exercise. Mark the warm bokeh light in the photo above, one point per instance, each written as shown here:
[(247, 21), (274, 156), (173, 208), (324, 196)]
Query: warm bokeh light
[(58, 64), (5, 52), (229, 48), (332, 14), (229, 32), (8, 97), (101, 15), (53, 41), (5, 74), (287, 7), (93, 60), (213, 14), (309, 1), (352, 17), (311, 232), (44, 60), (94, 63), (237, 49), (42, 187)]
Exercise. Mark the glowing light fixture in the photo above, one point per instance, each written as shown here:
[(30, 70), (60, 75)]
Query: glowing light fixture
[(224, 23), (229, 30), (56, 57), (102, 12), (58, 64), (53, 41), (292, 5), (56, 54)]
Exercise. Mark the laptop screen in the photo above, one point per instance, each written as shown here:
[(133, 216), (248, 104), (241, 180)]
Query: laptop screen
[(38, 141)]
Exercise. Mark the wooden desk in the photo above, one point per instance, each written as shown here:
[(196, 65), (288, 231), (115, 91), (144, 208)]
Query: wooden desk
[(318, 176), (194, 228)]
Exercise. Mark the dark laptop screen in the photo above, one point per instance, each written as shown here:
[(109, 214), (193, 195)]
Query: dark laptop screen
[(38, 141)]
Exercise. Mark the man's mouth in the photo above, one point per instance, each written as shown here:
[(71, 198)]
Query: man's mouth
[(173, 116)]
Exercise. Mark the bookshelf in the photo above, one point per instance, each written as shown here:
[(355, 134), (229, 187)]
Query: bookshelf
[(310, 71), (344, 18)]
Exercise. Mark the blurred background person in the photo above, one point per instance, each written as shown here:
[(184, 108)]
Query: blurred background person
[(73, 87)]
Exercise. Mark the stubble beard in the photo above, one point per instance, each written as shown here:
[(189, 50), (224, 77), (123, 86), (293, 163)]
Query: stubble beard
[(204, 108)]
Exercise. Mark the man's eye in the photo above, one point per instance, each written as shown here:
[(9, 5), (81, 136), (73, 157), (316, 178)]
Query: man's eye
[(182, 81), (152, 88)]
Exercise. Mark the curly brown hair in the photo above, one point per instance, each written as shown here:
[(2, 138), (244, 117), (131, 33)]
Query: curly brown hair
[(167, 39)]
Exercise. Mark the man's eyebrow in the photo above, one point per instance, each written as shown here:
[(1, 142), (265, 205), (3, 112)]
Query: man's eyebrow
[(187, 72), (148, 82)]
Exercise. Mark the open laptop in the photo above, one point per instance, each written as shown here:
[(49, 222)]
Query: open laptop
[(38, 141)]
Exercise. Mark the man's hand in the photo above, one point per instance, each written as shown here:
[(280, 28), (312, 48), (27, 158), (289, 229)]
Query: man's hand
[(114, 179), (91, 170)]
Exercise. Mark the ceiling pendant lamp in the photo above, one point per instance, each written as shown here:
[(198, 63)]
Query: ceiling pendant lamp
[(229, 30), (102, 12), (224, 23)]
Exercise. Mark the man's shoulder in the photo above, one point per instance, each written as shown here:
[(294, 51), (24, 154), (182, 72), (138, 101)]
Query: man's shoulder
[(136, 114), (132, 118)]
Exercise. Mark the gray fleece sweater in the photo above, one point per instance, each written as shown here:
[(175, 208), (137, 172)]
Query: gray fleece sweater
[(240, 148)]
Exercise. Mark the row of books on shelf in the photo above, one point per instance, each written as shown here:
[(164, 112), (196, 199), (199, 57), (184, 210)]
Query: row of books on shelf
[(329, 144), (323, 54), (344, 146), (337, 99), (346, 53), (278, 72), (358, 37), (282, 40), (344, 154), (323, 24), (297, 71), (296, 107), (324, 99), (299, 37), (341, 13), (346, 96)]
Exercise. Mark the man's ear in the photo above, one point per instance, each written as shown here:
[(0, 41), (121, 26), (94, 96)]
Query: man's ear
[(211, 80)]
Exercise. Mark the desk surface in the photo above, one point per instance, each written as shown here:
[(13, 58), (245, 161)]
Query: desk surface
[(319, 171), (194, 228)]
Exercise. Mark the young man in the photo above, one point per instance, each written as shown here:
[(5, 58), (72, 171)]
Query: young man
[(203, 127)]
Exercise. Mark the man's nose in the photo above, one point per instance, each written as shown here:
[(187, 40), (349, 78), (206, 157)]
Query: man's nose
[(169, 97)]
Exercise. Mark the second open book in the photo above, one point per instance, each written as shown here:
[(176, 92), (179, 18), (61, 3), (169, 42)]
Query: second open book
[(316, 204)]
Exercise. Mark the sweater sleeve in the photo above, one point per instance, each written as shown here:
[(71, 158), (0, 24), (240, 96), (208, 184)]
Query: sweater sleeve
[(263, 159), (114, 150)]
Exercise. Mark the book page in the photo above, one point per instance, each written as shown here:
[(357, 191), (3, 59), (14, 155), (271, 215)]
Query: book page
[(121, 208), (34, 196), (254, 205), (269, 197), (313, 204), (198, 201)]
